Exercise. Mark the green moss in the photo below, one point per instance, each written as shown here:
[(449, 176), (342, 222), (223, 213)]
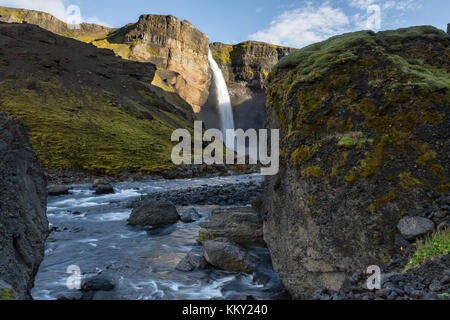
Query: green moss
[(222, 56), (427, 157), (301, 155), (408, 182), (91, 130), (389, 197), (437, 246), (350, 177), (312, 172), (7, 294)]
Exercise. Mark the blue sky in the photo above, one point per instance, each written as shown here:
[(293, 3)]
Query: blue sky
[(285, 22)]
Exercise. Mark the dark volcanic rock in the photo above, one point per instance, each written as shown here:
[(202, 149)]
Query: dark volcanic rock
[(154, 213), (360, 149), (426, 282), (58, 190), (227, 255), (98, 283), (23, 221), (414, 227), (104, 189), (241, 225)]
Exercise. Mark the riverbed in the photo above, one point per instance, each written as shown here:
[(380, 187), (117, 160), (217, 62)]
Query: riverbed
[(91, 232)]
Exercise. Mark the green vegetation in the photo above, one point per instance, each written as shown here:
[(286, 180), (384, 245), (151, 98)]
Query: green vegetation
[(7, 294), (92, 130), (367, 104), (437, 246), (18, 14)]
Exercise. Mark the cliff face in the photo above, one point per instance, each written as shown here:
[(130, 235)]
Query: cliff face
[(85, 108), (23, 221), (177, 48), (364, 130), (50, 23), (245, 67)]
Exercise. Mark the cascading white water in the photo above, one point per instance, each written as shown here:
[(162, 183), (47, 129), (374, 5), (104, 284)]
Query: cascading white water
[(223, 99)]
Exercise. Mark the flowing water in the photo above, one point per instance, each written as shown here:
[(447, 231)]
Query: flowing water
[(142, 262), (223, 100)]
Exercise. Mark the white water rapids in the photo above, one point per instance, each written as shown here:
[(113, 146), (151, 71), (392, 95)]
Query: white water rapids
[(223, 100)]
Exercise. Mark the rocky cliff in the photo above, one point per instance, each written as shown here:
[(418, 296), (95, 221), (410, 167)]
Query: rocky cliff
[(50, 23), (364, 130), (177, 48), (85, 108), (23, 221), (245, 67)]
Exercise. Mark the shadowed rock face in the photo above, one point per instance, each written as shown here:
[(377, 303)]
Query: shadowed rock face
[(23, 221), (86, 109), (245, 67), (364, 141)]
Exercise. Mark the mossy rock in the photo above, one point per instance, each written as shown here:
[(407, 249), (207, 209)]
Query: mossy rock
[(364, 122)]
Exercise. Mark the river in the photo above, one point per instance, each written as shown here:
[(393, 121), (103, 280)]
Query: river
[(141, 261)]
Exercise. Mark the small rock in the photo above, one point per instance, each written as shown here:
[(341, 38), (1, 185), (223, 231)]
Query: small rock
[(195, 214), (440, 214), (98, 182), (414, 227), (435, 286), (104, 189), (58, 190), (98, 283), (186, 217)]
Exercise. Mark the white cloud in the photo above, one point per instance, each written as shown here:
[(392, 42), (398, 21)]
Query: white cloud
[(61, 9), (298, 27), (303, 26)]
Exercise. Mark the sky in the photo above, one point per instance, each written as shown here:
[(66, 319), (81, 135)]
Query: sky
[(282, 22)]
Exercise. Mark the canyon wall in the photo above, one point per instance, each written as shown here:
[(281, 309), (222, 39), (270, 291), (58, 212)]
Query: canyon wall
[(364, 131), (23, 220)]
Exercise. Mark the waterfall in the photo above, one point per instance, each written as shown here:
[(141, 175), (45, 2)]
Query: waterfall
[(223, 100)]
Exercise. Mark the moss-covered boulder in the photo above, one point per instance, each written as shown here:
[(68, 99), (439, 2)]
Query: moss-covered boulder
[(364, 127)]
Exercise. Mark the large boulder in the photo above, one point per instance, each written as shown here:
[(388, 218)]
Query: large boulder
[(227, 255), (103, 189), (414, 227), (241, 225), (23, 220), (364, 139), (154, 213)]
